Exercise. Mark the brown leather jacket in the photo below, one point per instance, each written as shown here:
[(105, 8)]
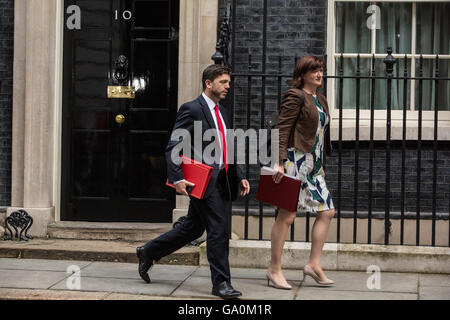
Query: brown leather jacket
[(304, 134)]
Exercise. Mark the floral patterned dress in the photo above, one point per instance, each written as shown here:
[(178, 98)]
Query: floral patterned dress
[(314, 195)]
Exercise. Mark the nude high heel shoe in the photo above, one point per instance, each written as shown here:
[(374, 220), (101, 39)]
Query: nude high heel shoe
[(277, 285), (307, 270)]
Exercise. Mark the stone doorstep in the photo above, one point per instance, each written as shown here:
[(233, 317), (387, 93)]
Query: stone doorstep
[(341, 257), (90, 250), (139, 232)]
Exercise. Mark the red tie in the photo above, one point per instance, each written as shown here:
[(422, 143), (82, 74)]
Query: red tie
[(222, 133)]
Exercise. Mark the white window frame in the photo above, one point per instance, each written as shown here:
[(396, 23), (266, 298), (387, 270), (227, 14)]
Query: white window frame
[(380, 116)]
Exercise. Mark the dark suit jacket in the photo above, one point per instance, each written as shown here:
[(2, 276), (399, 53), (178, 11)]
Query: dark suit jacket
[(189, 112)]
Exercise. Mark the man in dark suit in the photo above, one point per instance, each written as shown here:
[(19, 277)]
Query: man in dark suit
[(212, 212)]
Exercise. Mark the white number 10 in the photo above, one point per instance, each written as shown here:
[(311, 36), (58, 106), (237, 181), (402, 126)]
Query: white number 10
[(126, 15)]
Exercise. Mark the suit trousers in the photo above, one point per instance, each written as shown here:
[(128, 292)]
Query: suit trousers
[(210, 214)]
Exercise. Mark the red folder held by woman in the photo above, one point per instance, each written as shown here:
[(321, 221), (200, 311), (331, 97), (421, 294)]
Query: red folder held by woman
[(196, 173), (283, 195)]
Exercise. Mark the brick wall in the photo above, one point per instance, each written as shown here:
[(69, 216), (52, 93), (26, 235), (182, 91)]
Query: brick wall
[(6, 80), (294, 28)]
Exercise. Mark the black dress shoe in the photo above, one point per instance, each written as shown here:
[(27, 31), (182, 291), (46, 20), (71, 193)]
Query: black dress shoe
[(145, 264), (225, 291)]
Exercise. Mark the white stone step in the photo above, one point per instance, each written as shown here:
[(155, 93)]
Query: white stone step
[(106, 230)]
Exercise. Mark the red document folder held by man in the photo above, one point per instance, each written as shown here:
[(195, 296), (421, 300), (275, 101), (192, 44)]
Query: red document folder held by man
[(196, 173), (283, 195)]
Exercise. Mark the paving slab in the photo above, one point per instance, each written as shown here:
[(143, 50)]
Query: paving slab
[(37, 294), (249, 273), (357, 281), (47, 280), (200, 286), (121, 296), (39, 264), (326, 294), (435, 280), (27, 294), (434, 293), (30, 279), (130, 271), (134, 286), (257, 289), (196, 287)]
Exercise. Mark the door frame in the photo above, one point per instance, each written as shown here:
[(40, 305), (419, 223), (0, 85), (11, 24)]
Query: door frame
[(46, 20), (117, 202)]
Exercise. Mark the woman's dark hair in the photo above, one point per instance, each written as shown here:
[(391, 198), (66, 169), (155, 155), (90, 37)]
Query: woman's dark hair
[(214, 71), (303, 66)]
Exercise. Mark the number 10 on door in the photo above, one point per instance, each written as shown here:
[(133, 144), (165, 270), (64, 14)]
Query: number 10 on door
[(126, 15)]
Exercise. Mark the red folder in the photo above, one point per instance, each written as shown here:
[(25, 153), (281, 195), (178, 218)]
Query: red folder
[(283, 195), (197, 173)]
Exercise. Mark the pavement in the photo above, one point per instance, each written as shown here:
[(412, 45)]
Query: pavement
[(42, 279)]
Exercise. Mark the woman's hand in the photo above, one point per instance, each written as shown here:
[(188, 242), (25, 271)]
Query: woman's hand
[(279, 172), (244, 185)]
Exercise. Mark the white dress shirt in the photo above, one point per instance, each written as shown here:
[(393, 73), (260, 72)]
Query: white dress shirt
[(212, 106)]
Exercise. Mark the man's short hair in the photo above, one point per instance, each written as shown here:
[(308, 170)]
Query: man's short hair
[(214, 71)]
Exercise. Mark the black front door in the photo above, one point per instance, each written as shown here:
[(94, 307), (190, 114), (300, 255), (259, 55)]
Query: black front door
[(113, 164)]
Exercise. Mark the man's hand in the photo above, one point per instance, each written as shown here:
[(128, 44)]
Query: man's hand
[(279, 172), (323, 173), (181, 187), (244, 185)]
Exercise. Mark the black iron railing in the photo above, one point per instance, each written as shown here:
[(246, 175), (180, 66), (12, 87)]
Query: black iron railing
[(249, 95), (245, 81)]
